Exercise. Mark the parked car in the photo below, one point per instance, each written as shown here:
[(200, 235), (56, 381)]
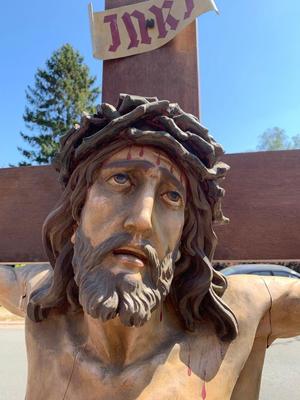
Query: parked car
[(261, 269)]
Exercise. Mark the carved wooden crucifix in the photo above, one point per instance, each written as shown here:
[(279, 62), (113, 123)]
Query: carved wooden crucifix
[(260, 213)]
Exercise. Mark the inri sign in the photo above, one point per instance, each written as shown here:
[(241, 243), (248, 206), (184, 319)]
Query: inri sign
[(142, 27)]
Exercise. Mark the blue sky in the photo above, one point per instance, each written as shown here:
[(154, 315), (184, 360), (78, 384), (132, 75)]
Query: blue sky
[(249, 65)]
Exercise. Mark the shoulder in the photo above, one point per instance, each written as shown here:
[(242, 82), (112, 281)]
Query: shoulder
[(33, 274), (16, 284), (256, 287), (251, 297), (245, 285), (29, 278), (247, 296)]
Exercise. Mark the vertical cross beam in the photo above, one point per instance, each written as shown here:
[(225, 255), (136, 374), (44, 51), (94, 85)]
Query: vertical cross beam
[(169, 73)]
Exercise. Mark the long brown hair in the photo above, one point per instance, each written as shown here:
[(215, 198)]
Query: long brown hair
[(197, 288)]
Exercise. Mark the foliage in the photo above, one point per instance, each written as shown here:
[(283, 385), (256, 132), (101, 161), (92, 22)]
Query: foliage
[(60, 94), (277, 139), (296, 142)]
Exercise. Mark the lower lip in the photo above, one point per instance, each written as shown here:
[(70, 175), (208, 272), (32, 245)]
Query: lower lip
[(130, 260)]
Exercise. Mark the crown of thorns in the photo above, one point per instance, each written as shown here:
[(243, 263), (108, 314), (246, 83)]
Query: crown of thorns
[(147, 121)]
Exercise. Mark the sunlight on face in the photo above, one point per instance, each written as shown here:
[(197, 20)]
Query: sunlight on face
[(141, 191)]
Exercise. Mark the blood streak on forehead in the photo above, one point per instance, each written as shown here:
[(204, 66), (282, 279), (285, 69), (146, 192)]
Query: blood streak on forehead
[(152, 154)]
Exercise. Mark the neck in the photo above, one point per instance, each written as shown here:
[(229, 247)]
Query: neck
[(120, 345)]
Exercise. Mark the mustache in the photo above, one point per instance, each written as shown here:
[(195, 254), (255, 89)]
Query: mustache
[(104, 295), (93, 256)]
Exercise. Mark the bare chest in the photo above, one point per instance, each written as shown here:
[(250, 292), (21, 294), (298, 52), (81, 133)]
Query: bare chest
[(183, 372), (194, 367)]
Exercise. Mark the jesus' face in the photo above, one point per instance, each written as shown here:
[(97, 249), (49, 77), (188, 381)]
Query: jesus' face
[(129, 234)]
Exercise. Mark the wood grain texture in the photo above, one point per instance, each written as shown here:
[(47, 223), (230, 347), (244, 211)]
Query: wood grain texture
[(262, 201), (170, 72)]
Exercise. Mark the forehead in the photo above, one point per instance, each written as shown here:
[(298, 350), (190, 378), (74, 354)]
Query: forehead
[(153, 155)]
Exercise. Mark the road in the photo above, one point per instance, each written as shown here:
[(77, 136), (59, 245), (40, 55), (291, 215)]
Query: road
[(282, 371), (12, 363), (280, 378)]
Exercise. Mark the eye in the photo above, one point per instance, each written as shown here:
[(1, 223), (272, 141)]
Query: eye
[(121, 179), (172, 197)]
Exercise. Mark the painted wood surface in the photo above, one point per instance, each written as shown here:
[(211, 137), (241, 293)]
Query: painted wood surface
[(262, 201), (169, 72)]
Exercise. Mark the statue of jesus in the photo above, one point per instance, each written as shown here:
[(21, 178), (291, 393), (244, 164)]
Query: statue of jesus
[(130, 307)]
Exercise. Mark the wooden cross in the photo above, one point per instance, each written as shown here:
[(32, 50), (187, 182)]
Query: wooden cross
[(170, 72), (263, 189)]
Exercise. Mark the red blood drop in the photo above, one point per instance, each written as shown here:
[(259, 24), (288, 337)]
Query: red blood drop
[(129, 154), (141, 153), (203, 392), (189, 371)]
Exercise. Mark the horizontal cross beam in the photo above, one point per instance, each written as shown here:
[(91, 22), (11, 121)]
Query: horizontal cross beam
[(262, 202)]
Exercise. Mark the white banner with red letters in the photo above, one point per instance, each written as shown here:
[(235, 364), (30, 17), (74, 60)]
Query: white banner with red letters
[(141, 27)]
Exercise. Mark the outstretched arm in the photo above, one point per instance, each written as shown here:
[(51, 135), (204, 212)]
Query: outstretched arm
[(10, 290), (285, 307), (16, 284)]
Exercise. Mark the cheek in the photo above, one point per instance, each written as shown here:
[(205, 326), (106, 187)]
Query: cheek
[(170, 227), (98, 218)]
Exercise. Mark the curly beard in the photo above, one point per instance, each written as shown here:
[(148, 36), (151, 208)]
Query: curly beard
[(104, 295)]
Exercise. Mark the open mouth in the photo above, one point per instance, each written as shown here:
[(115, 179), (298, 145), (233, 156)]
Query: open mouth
[(131, 256)]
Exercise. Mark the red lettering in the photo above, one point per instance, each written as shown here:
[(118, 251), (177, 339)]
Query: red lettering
[(161, 21), (164, 24), (115, 34), (133, 36), (189, 8)]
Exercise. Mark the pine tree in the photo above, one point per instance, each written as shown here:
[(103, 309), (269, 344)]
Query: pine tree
[(60, 94)]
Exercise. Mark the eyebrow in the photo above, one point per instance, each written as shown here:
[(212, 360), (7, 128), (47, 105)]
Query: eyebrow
[(167, 175), (145, 165)]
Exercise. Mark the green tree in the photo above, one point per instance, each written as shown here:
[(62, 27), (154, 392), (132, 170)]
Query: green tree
[(60, 94), (296, 141), (277, 139)]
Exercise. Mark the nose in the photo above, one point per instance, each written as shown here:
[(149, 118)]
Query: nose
[(140, 214)]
